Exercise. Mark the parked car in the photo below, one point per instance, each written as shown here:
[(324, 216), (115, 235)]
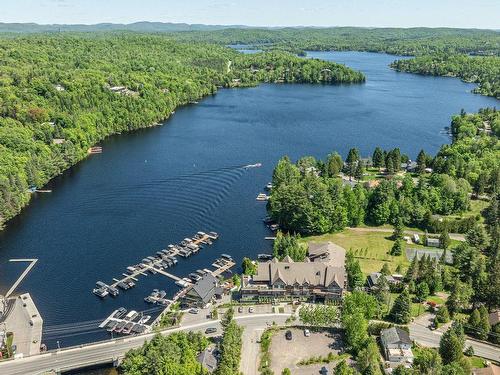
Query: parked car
[(193, 311), (210, 330), (240, 309), (251, 310), (288, 335), (307, 333), (323, 371)]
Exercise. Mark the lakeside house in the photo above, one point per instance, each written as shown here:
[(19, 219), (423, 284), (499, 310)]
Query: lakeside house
[(320, 277), (397, 344), (205, 291)]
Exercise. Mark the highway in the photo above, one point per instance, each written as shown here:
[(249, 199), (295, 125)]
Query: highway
[(420, 332), (108, 351)]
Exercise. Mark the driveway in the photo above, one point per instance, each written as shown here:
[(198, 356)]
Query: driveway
[(420, 332)]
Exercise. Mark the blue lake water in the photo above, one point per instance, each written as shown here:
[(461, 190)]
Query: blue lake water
[(158, 185)]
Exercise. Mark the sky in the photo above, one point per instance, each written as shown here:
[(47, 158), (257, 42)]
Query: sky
[(374, 13)]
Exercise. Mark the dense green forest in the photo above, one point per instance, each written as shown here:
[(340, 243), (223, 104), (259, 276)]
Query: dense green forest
[(399, 41), (61, 94), (309, 197), (174, 354), (478, 69)]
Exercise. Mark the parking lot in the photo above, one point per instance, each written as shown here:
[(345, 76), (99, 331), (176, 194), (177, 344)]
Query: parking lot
[(287, 353)]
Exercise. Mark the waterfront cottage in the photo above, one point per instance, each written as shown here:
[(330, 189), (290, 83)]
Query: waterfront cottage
[(205, 291)]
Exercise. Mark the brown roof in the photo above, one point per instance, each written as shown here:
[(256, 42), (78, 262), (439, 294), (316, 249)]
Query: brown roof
[(322, 272), (490, 370)]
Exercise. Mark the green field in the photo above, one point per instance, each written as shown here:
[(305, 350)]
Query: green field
[(370, 248)]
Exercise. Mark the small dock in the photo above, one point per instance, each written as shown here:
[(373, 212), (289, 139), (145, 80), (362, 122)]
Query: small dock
[(224, 267)]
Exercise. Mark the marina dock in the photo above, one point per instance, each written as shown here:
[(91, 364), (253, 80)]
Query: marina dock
[(156, 264)]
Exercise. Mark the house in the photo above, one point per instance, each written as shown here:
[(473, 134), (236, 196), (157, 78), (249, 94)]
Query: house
[(410, 166), (321, 277), (433, 242), (208, 359), (396, 343), (373, 279), (205, 291), (490, 370)]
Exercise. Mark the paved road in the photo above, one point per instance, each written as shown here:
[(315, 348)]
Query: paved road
[(105, 352), (453, 236), (420, 332)]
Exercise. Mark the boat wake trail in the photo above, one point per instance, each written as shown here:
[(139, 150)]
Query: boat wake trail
[(188, 199)]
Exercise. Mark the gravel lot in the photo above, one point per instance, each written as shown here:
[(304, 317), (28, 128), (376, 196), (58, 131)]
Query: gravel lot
[(285, 353)]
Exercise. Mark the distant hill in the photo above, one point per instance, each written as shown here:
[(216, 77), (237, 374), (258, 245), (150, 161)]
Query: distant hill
[(138, 27)]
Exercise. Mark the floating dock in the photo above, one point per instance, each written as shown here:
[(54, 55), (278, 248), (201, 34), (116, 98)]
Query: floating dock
[(157, 264)]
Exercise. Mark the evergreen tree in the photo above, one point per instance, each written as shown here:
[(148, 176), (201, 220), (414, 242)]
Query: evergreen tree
[(450, 347), (398, 229), (355, 277), (422, 291), (484, 323), (442, 315), (352, 162), (358, 174), (421, 162), (401, 310), (385, 270), (397, 248), (378, 158), (444, 239)]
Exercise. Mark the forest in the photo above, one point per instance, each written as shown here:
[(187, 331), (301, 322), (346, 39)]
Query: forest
[(483, 70), (315, 197), (62, 94), (397, 41)]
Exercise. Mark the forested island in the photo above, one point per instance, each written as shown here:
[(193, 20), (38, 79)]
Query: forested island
[(61, 94)]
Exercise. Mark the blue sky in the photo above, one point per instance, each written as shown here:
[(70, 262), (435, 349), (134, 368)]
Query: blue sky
[(395, 13)]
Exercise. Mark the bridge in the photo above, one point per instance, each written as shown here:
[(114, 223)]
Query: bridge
[(113, 351)]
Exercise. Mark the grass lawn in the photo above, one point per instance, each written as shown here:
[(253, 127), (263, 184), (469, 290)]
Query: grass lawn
[(477, 362), (436, 299), (370, 248), (476, 206)]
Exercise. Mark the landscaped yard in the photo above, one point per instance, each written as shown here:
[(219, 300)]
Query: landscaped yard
[(370, 248)]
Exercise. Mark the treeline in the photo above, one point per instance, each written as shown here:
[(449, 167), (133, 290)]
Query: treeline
[(309, 197), (61, 94), (477, 69), (174, 354), (230, 347), (411, 41)]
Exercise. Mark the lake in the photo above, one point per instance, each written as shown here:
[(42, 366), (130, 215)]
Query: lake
[(156, 186)]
